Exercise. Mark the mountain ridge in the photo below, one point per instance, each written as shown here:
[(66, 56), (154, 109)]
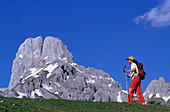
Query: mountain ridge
[(46, 69)]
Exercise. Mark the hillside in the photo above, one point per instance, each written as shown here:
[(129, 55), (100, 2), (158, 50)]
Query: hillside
[(60, 105)]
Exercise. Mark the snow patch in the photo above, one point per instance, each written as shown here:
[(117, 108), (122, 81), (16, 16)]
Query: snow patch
[(65, 58), (34, 72), (21, 95), (157, 95), (110, 84), (50, 68), (166, 98), (100, 77), (32, 94), (56, 92), (119, 97), (37, 91), (47, 87), (20, 63), (58, 84), (59, 58), (90, 81), (150, 95), (72, 64), (93, 76), (125, 91), (21, 56), (46, 58), (68, 77), (21, 77), (110, 79), (77, 68), (50, 88)]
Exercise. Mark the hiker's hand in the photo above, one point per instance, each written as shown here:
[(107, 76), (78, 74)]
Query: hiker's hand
[(127, 74), (125, 70)]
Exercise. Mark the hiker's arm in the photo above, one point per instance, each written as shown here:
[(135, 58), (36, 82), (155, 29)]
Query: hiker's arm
[(130, 70), (128, 75)]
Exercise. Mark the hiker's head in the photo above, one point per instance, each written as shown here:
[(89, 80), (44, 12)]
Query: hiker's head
[(130, 59)]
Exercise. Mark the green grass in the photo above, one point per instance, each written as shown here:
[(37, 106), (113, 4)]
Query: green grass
[(53, 105)]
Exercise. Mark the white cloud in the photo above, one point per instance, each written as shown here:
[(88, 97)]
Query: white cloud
[(157, 17)]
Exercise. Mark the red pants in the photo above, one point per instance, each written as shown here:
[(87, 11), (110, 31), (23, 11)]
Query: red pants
[(135, 87)]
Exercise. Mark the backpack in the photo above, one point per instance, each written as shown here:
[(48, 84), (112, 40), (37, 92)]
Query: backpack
[(141, 71)]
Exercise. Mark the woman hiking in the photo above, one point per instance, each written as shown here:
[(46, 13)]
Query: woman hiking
[(136, 81)]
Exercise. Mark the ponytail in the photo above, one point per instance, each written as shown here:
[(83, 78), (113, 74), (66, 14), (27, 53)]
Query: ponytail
[(136, 62)]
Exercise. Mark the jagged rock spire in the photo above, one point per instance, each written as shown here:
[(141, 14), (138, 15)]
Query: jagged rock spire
[(34, 53), (159, 89), (47, 70)]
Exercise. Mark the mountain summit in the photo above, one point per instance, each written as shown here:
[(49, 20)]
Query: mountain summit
[(158, 89), (46, 69), (34, 53)]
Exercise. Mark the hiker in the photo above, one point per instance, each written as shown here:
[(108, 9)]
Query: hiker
[(136, 81)]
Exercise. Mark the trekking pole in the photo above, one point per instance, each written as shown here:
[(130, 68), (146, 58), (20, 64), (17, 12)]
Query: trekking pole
[(125, 77)]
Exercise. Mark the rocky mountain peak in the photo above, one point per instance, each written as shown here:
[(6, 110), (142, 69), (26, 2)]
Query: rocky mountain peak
[(35, 53), (158, 89), (53, 48), (46, 69), (162, 79)]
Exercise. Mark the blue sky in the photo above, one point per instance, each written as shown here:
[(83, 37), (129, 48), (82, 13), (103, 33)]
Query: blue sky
[(99, 33)]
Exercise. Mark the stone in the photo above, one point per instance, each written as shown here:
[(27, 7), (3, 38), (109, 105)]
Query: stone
[(157, 89), (46, 69)]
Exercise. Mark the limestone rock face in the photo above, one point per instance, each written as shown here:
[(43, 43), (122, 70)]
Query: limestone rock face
[(34, 53), (28, 56), (46, 69), (54, 49), (158, 89)]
